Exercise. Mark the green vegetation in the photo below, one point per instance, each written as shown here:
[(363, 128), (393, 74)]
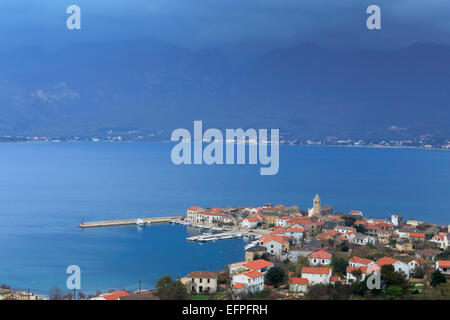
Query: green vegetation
[(275, 276), (168, 289), (339, 265), (437, 278)]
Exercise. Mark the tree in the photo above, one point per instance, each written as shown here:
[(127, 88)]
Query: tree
[(357, 273), (275, 276), (164, 282), (418, 272), (393, 278), (167, 289), (81, 296), (360, 228), (339, 265), (55, 293), (437, 278)]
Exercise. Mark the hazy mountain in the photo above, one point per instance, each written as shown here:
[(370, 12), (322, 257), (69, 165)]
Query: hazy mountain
[(150, 85)]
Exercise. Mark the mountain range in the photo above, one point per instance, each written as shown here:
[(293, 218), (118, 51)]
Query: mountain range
[(152, 86)]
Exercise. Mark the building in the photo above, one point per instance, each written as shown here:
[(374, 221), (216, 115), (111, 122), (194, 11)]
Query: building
[(343, 229), (320, 257), (417, 237), (282, 221), (395, 219), (413, 223), (365, 271), (357, 213), (443, 266), (296, 233), (192, 210), (298, 284), (259, 265), (316, 275), (399, 266), (384, 236), (404, 245), (441, 240), (251, 222), (251, 281), (362, 239), (112, 295), (360, 262), (254, 251), (275, 244), (201, 282), (317, 205), (413, 264)]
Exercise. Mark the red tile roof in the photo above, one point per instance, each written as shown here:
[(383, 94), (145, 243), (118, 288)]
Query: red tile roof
[(385, 260), (295, 280), (417, 235), (334, 278), (350, 269), (321, 254), (238, 285), (194, 208), (201, 274), (319, 270), (114, 295), (258, 264), (443, 263), (253, 274)]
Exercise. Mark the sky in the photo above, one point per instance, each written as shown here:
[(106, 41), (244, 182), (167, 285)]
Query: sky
[(208, 24)]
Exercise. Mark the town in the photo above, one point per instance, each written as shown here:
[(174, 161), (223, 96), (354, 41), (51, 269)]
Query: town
[(306, 254)]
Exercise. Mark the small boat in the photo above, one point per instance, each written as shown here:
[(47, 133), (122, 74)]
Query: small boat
[(149, 223), (140, 222)]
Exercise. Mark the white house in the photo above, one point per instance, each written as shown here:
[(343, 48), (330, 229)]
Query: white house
[(275, 244), (250, 222), (282, 221), (259, 265), (360, 262), (251, 281), (443, 266), (192, 210), (294, 232), (298, 284), (201, 281), (316, 275), (398, 265), (365, 271), (441, 239), (362, 239), (414, 264), (344, 230), (320, 257), (395, 219), (237, 267)]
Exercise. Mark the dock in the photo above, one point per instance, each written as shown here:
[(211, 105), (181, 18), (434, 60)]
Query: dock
[(216, 236), (112, 223)]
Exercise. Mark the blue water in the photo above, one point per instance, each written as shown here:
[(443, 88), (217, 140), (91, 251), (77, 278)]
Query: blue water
[(46, 188)]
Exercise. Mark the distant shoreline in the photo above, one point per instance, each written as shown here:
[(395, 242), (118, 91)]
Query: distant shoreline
[(282, 144)]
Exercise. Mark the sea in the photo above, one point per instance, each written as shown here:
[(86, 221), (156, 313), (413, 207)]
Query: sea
[(46, 189)]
